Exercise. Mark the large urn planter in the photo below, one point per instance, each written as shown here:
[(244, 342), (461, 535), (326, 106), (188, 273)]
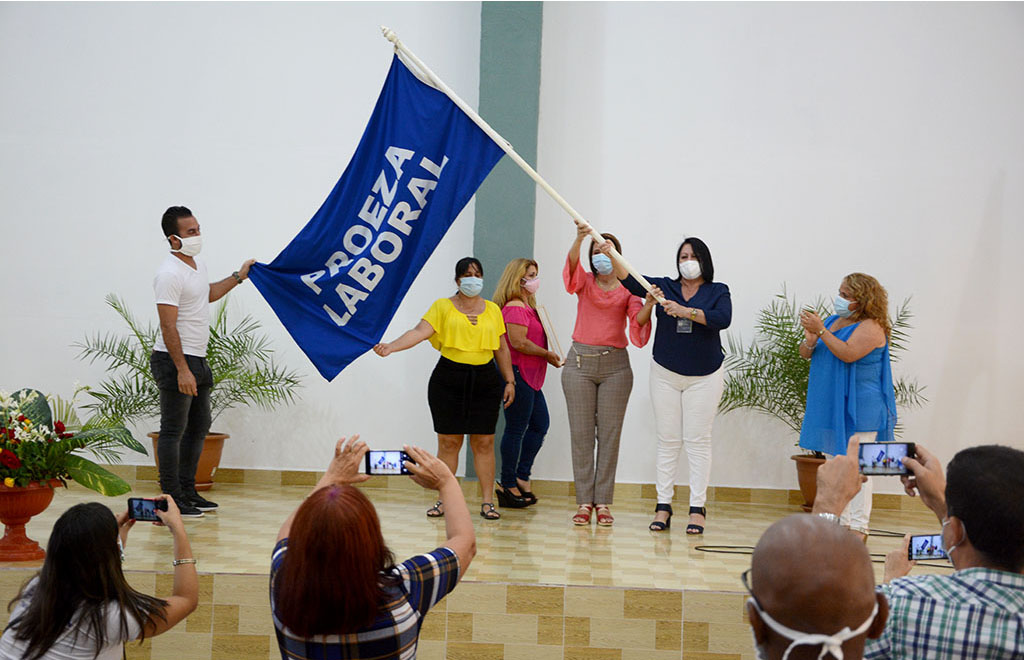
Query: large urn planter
[(17, 506), (807, 477), (209, 461)]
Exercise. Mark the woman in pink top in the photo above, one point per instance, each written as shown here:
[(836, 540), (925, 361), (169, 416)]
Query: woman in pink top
[(526, 419), (597, 378)]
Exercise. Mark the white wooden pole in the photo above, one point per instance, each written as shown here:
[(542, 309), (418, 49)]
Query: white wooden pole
[(507, 147)]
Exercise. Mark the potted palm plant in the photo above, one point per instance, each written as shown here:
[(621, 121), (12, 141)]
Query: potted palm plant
[(41, 449), (244, 373), (769, 375)]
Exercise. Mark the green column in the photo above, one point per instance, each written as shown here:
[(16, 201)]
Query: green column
[(510, 39)]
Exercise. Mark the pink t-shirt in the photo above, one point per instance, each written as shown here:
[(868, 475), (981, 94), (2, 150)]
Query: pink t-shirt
[(532, 367), (601, 316)]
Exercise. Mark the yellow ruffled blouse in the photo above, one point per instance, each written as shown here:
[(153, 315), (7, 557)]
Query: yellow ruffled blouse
[(461, 341)]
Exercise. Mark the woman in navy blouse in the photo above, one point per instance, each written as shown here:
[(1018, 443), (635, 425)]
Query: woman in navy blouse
[(686, 374)]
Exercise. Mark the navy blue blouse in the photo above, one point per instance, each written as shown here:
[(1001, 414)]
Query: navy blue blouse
[(694, 353)]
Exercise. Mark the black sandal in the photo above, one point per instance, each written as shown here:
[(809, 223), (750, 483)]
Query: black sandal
[(488, 512), (697, 529), (509, 500), (530, 498), (657, 525), (435, 511)]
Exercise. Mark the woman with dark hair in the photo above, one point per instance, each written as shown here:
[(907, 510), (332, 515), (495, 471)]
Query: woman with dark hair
[(849, 387), (335, 590), (687, 378), (79, 605), (597, 378), (466, 390), (526, 420)]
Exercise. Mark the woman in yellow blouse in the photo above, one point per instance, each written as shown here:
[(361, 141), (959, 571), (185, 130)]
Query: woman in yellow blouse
[(465, 390)]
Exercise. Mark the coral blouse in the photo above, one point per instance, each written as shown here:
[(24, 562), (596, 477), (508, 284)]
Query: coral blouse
[(602, 316)]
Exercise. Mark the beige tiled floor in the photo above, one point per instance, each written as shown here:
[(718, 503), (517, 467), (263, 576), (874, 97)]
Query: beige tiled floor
[(535, 545)]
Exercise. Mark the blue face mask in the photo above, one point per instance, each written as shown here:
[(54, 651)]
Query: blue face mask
[(602, 263), (471, 286), (842, 307)]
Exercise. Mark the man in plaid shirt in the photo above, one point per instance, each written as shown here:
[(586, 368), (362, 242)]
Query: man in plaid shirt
[(978, 611)]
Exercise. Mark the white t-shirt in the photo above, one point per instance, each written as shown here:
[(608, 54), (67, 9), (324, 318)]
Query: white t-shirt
[(176, 283), (67, 647)]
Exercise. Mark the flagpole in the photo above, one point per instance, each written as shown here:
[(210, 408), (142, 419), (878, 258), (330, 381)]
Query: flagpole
[(507, 148)]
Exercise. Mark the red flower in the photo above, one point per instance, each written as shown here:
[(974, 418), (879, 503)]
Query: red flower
[(21, 418), (58, 427), (10, 433), (9, 460)]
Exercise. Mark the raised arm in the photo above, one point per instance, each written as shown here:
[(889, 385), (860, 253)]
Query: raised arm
[(185, 592), (409, 338), (430, 472), (343, 469), (219, 289), (582, 231)]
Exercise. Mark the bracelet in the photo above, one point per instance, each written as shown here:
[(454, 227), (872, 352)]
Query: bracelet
[(179, 562), (831, 517), (693, 314), (237, 278), (809, 346)]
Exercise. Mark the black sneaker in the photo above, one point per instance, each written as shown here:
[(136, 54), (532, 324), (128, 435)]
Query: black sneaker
[(187, 510), (199, 502)]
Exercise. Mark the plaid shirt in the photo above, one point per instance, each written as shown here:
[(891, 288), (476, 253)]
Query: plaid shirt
[(425, 580), (976, 613)]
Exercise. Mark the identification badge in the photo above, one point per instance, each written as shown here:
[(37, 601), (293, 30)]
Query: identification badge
[(684, 326)]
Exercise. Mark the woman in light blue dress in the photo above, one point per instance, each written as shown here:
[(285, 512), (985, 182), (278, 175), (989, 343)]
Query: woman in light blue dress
[(850, 388)]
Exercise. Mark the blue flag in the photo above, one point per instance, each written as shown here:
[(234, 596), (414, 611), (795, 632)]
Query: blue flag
[(337, 285)]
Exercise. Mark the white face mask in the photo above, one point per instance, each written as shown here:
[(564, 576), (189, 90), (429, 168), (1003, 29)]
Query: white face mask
[(689, 269), (830, 644), (190, 246), (951, 548)]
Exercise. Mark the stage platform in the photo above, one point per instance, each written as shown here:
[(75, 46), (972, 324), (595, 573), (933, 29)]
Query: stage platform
[(540, 588)]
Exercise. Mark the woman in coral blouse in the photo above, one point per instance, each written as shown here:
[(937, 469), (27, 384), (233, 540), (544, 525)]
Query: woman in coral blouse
[(472, 378), (597, 378), (526, 420)]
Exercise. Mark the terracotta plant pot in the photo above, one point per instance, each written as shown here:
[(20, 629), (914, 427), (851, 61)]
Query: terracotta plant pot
[(209, 460), (807, 477), (17, 506)]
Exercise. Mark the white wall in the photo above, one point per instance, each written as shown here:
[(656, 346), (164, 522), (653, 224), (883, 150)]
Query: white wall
[(245, 112), (801, 141)]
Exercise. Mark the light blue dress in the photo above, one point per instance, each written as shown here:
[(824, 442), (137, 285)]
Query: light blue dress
[(846, 397)]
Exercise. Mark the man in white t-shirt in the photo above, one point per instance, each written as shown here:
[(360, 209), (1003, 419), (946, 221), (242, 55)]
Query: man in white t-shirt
[(183, 297)]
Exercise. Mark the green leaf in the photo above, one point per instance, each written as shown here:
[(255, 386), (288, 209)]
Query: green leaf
[(95, 478), (34, 406), (105, 438)]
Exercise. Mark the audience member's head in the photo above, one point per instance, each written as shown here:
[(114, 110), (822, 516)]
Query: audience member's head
[(985, 506), (812, 586), (335, 573)]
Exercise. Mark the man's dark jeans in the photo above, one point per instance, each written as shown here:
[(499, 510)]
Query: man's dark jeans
[(184, 422)]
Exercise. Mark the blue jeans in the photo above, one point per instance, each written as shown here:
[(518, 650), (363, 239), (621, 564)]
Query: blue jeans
[(184, 422), (526, 423)]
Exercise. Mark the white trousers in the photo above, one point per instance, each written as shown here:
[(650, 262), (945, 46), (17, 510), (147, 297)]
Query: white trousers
[(857, 513), (684, 411)]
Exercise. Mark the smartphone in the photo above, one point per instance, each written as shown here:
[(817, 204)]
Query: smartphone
[(925, 546), (885, 458), (141, 508), (387, 461)]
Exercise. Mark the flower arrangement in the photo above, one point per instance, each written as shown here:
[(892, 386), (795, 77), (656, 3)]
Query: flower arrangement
[(35, 447)]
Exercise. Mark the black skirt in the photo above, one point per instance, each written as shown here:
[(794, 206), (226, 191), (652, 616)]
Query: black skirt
[(465, 398)]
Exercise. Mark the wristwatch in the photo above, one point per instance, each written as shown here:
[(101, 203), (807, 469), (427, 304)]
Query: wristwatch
[(237, 278)]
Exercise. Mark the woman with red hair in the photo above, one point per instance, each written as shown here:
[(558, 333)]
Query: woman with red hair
[(335, 590)]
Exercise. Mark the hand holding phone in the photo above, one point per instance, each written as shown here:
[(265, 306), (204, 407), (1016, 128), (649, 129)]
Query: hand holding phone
[(925, 546), (141, 508), (389, 461)]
